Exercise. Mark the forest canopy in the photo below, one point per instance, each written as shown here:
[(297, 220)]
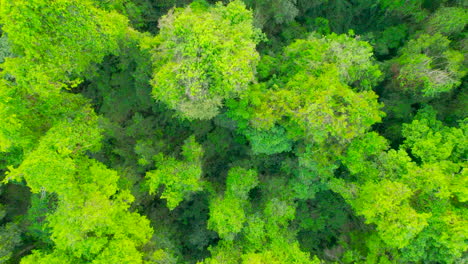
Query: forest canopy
[(234, 131)]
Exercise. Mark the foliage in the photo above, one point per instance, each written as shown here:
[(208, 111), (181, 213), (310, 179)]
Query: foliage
[(57, 40), (431, 141), (411, 200), (448, 21), (10, 237), (340, 137), (390, 39), (269, 142), (91, 219), (227, 214), (180, 178), (204, 55), (429, 67), (306, 93)]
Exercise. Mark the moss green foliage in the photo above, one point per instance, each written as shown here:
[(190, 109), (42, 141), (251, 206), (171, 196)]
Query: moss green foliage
[(90, 211), (270, 141), (227, 214), (427, 65), (413, 197), (10, 237), (233, 132), (317, 90)]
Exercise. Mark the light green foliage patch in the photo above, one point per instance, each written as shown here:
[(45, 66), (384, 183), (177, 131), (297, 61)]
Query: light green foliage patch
[(203, 56), (56, 40), (180, 178)]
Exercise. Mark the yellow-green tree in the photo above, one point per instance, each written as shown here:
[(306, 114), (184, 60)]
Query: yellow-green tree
[(56, 41), (204, 55)]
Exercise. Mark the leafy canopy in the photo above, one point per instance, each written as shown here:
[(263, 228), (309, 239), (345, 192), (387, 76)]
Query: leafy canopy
[(57, 40), (180, 178), (203, 56)]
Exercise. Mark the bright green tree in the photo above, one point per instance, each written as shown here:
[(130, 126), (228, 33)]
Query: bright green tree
[(414, 201), (10, 237), (448, 21), (180, 178), (203, 56), (227, 213), (307, 93), (276, 12)]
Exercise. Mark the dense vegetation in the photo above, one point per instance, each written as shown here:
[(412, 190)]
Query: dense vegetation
[(255, 131)]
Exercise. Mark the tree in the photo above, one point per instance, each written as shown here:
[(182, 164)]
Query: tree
[(254, 234), (410, 199), (427, 66), (227, 217), (240, 181), (254, 151), (203, 56), (5, 49), (431, 141), (307, 94), (387, 205), (413, 9), (227, 214), (180, 178), (280, 253), (352, 57), (389, 40), (57, 40)]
